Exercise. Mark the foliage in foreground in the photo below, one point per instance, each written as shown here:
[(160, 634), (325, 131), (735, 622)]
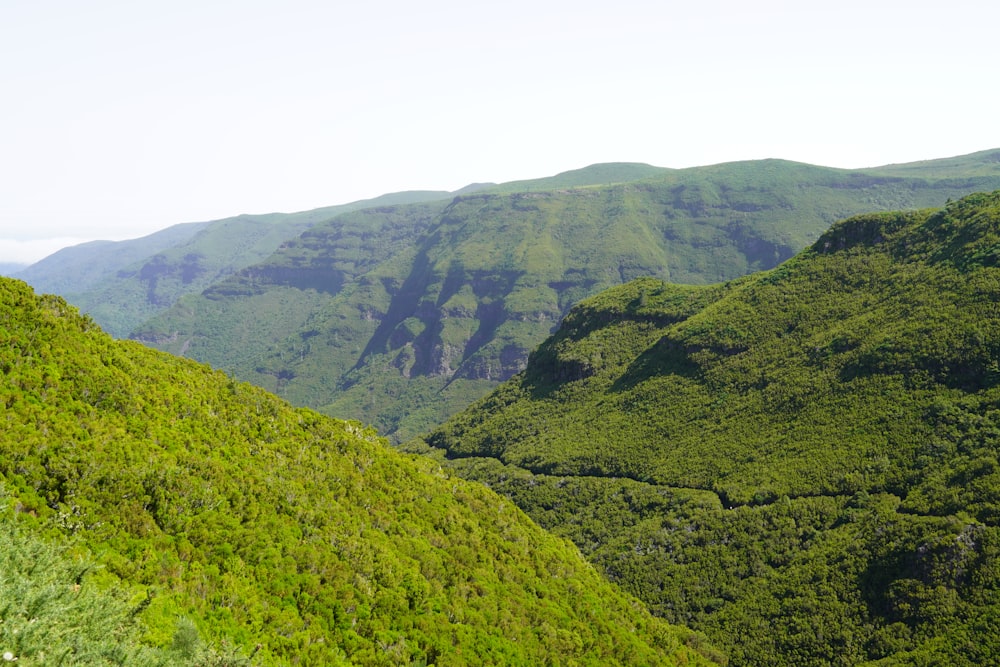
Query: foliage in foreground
[(302, 539), (55, 610), (802, 463), (50, 610)]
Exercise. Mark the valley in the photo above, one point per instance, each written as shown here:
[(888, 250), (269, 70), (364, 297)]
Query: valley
[(745, 414), (402, 315)]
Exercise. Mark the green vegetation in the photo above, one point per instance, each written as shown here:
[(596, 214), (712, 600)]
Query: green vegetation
[(401, 315), (975, 165), (122, 284), (802, 463), (222, 517), (82, 268), (604, 174), (50, 608), (54, 609)]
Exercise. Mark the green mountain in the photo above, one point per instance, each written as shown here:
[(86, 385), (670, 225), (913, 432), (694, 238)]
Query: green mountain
[(608, 173), (80, 268), (121, 284), (802, 463), (962, 167), (224, 518), (400, 316)]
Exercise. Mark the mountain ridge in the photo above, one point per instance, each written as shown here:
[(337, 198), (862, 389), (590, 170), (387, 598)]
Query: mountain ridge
[(404, 331), (127, 282)]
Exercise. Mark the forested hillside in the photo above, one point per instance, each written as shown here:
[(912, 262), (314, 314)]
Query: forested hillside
[(400, 316), (230, 527), (802, 463)]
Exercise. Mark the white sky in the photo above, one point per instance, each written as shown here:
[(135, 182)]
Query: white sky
[(118, 118)]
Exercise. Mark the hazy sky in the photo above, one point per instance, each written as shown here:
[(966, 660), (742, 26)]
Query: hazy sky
[(118, 118)]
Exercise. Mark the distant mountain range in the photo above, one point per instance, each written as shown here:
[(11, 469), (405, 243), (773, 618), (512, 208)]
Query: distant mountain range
[(803, 463), (401, 310), (82, 268), (761, 397), (11, 268), (400, 315), (121, 284)]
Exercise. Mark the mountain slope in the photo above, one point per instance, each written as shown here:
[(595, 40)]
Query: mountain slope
[(403, 330), (277, 528), (982, 163), (812, 449), (121, 284), (80, 268), (603, 174), (56, 610)]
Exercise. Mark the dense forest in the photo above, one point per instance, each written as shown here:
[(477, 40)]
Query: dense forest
[(802, 463), (154, 511)]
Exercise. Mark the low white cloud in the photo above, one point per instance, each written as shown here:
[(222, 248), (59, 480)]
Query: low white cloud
[(31, 251)]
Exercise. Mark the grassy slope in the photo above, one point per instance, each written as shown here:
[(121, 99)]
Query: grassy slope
[(279, 528), (604, 174), (811, 450), (403, 330), (974, 165)]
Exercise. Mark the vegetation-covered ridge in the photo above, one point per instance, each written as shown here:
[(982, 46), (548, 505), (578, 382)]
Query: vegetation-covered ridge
[(802, 463), (122, 284), (399, 316), (297, 538)]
